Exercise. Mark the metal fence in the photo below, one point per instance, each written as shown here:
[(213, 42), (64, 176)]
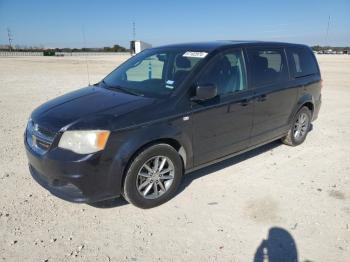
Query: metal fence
[(90, 53), (8, 53), (13, 53)]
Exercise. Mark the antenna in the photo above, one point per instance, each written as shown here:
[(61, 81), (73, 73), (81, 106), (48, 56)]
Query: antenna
[(327, 32), (86, 61), (9, 35), (134, 31)]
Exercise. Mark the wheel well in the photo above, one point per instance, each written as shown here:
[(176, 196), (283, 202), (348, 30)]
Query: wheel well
[(170, 141), (310, 106)]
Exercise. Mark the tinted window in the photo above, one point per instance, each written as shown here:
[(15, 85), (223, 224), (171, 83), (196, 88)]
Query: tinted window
[(182, 67), (303, 62), (268, 66), (154, 72), (227, 72)]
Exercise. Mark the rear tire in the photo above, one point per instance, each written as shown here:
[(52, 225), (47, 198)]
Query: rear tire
[(299, 129), (153, 176)]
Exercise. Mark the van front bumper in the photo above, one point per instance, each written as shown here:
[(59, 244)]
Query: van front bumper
[(72, 177)]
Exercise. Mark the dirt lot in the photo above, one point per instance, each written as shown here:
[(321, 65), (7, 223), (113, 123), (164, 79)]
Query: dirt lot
[(296, 199)]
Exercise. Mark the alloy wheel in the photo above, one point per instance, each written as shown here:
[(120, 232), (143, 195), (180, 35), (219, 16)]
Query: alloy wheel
[(301, 126), (155, 177)]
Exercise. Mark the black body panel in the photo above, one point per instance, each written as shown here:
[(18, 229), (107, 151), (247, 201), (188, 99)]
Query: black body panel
[(203, 132)]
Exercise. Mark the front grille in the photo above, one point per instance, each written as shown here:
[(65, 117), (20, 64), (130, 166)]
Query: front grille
[(46, 132), (39, 138)]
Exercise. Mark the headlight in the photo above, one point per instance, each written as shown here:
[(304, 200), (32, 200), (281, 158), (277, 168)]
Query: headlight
[(84, 142)]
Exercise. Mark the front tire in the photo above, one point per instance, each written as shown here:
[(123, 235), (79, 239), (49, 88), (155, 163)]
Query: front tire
[(299, 129), (153, 176)]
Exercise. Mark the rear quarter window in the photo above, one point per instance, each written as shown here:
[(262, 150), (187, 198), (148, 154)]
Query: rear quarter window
[(267, 65), (302, 62)]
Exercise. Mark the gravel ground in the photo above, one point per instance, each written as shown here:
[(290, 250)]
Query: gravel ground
[(274, 199)]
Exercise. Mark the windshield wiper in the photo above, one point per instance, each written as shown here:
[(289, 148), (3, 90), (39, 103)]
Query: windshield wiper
[(122, 89)]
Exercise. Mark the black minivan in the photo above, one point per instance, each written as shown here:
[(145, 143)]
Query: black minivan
[(168, 111)]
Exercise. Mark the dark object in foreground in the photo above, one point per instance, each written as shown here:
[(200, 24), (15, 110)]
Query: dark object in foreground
[(279, 246)]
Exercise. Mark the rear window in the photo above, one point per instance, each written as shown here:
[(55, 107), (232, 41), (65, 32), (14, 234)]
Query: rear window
[(268, 66), (303, 62)]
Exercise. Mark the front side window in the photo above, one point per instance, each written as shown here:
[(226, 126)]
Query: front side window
[(268, 66), (303, 62), (154, 72), (227, 72)]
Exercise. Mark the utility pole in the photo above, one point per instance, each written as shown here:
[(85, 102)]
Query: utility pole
[(133, 31), (327, 32), (9, 37)]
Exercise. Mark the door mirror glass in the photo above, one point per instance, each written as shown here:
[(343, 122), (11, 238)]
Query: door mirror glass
[(206, 92)]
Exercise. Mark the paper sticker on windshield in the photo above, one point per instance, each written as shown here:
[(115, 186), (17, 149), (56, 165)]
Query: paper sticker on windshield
[(169, 84), (195, 54)]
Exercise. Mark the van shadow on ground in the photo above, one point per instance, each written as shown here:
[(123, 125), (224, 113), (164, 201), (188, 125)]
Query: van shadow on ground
[(226, 163), (279, 246), (187, 180)]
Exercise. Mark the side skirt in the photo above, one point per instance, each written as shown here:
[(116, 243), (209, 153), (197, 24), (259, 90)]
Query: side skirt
[(232, 155)]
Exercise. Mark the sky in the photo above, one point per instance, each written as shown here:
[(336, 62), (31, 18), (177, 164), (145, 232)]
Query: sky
[(63, 23)]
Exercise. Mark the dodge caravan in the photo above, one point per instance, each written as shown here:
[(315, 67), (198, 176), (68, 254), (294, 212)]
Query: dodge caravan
[(168, 111)]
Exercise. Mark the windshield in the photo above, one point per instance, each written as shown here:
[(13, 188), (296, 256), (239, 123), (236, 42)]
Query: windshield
[(154, 72)]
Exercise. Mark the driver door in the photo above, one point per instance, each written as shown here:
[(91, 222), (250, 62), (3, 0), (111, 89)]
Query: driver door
[(222, 125)]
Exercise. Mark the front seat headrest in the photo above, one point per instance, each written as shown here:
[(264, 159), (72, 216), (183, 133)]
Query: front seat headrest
[(261, 62), (225, 65)]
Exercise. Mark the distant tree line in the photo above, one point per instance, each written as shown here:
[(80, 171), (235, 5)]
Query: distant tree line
[(114, 48), (118, 48)]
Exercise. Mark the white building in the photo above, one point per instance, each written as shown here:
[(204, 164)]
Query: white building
[(136, 46)]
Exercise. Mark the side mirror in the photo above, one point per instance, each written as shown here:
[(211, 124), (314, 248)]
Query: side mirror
[(205, 92)]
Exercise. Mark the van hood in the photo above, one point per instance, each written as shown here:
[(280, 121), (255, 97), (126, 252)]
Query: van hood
[(89, 107)]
